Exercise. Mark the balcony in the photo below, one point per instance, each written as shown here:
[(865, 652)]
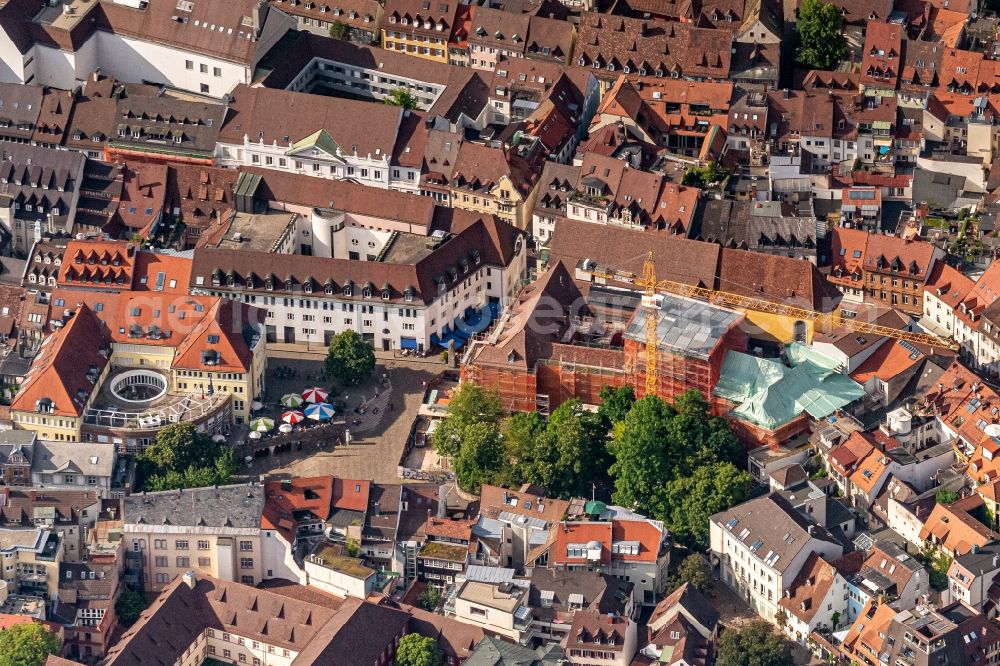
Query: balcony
[(24, 577)]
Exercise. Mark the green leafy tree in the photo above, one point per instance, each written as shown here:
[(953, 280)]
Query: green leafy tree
[(351, 360), (577, 438), (179, 446), (480, 456), (401, 97), (526, 449), (129, 606), (417, 650), (469, 405), (615, 404), (754, 645), (641, 466), (182, 457), (946, 496), (694, 571), (708, 438), (822, 43), (340, 30), (27, 645), (429, 599), (692, 500)]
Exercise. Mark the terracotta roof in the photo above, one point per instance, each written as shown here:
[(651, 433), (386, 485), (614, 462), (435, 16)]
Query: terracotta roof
[(356, 632), (524, 502), (200, 194), (952, 526), (233, 40), (964, 403), (286, 117), (142, 197), (650, 46), (845, 457), (884, 253), (871, 472), (458, 530), (58, 376), (98, 264), (474, 236), (290, 188), (809, 589), (350, 494), (644, 532), (948, 284), (19, 507), (359, 14), (283, 500), (777, 279), (889, 361), (688, 600), (882, 53), (478, 168), (527, 334), (866, 635), (592, 630)]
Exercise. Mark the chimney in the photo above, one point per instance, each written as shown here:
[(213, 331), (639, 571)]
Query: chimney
[(189, 579)]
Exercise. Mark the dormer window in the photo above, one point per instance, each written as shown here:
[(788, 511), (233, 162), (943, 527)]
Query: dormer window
[(408, 294), (269, 284), (385, 294), (288, 284), (328, 289), (308, 287), (348, 290), (366, 292)]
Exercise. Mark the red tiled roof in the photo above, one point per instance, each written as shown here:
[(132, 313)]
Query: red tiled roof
[(59, 372), (98, 264), (283, 498), (350, 494)]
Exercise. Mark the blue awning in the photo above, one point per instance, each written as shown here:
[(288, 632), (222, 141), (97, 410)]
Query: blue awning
[(435, 340), (408, 343)]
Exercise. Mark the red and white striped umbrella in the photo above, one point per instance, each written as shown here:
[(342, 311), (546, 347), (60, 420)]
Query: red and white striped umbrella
[(315, 394), (293, 416)]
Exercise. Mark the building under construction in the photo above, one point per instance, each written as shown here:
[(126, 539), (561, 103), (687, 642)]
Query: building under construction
[(554, 344)]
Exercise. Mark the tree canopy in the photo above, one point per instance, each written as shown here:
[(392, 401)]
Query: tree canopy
[(565, 453), (182, 457), (822, 43), (417, 650), (350, 360), (694, 571), (27, 645), (756, 644), (340, 30), (401, 97), (676, 462), (691, 501), (129, 606)]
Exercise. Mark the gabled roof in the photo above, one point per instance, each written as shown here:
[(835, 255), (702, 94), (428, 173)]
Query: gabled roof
[(954, 528), (284, 500), (64, 373), (809, 589)]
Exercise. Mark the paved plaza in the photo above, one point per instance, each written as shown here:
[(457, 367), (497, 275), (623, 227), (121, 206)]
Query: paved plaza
[(377, 437)]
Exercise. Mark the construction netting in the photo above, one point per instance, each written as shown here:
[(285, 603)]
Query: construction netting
[(770, 394)]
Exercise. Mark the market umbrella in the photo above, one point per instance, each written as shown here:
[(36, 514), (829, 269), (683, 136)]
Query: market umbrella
[(293, 416), (315, 394), (256, 404), (291, 400), (263, 424), (285, 427), (321, 411), (254, 434)]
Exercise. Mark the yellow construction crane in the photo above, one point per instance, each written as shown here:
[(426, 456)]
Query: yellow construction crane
[(651, 286)]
